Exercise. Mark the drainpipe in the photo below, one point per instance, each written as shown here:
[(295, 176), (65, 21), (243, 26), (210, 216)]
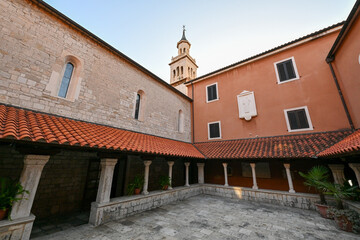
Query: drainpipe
[(329, 60), (192, 111)]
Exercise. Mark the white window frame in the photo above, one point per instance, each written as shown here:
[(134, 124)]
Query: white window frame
[(209, 130), (217, 92), (307, 116), (295, 69)]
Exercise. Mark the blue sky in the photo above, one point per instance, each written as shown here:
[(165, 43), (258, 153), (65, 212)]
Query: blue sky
[(221, 31)]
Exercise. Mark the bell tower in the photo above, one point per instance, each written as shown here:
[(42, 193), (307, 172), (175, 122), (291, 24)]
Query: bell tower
[(183, 67)]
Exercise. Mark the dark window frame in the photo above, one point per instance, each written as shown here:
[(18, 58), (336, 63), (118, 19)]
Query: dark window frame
[(137, 106)]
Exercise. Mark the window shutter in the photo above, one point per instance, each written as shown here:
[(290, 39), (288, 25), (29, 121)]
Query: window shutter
[(65, 82), (290, 69), (211, 90), (281, 71), (292, 120), (303, 122), (214, 130)]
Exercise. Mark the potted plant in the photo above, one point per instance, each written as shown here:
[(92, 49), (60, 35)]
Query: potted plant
[(314, 178), (136, 185), (347, 220), (164, 182), (10, 192)]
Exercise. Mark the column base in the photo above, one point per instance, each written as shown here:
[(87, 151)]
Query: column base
[(291, 191), (255, 187), (226, 185), (170, 187), (145, 192), (187, 185)]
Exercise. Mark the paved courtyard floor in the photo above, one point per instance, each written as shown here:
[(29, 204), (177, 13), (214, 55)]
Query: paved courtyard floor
[(209, 217)]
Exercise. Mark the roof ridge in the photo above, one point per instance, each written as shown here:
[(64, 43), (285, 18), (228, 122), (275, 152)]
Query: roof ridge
[(269, 51), (290, 135)]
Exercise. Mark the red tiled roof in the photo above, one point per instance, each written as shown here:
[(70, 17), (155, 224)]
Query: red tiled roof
[(26, 125), (289, 146), (348, 145)]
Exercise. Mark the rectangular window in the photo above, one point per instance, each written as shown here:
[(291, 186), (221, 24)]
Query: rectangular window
[(211, 92), (286, 70), (298, 119), (214, 130)]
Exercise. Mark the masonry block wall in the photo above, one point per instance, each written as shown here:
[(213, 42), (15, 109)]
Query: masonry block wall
[(34, 49), (62, 183)]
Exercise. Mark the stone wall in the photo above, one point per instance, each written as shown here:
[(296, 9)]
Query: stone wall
[(34, 48), (298, 200), (16, 229), (123, 207)]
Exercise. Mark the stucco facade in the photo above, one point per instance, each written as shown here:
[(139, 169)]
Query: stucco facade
[(34, 48), (314, 89)]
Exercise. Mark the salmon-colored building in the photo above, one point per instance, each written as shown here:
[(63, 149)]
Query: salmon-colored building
[(260, 113), (81, 123)]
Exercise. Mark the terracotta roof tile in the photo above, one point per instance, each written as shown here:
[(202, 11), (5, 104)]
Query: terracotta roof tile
[(289, 146), (348, 145), (26, 125)]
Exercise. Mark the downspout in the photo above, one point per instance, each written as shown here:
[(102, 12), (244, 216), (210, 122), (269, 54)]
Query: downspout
[(192, 113), (329, 60)]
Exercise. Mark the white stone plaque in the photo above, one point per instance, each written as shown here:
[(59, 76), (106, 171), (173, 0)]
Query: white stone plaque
[(246, 104)]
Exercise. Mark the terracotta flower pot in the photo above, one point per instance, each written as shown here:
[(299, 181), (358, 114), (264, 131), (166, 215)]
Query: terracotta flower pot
[(3, 213), (165, 187), (322, 209), (137, 191), (344, 224)]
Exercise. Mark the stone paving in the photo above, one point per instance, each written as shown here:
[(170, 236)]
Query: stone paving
[(209, 217)]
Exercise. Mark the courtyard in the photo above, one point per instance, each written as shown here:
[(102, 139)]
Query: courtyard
[(212, 217)]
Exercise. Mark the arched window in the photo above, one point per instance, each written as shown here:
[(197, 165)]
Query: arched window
[(174, 73), (177, 71), (180, 125), (137, 106), (182, 70), (191, 72), (184, 50), (65, 82)]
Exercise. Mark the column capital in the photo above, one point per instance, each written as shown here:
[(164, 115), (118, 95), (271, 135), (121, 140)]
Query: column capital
[(187, 164), (147, 163), (252, 165), (200, 164), (36, 159), (108, 161), (335, 167), (170, 163), (287, 165), (354, 165), (225, 164)]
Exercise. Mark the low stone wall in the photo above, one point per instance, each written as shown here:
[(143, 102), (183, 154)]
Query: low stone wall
[(298, 200), (352, 205), (16, 229), (123, 207)]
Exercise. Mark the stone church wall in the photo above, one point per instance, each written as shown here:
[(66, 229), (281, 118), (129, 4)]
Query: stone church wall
[(34, 49)]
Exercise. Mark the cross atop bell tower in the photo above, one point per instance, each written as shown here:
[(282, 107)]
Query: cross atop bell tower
[(182, 67)]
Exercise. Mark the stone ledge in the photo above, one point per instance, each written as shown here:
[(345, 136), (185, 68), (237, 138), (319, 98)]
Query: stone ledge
[(16, 229)]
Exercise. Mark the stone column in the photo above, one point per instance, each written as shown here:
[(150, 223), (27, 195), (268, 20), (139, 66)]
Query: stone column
[(225, 174), (356, 168), (255, 186), (146, 177), (106, 177), (29, 179), (200, 172), (187, 164), (170, 163), (288, 174), (337, 172)]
